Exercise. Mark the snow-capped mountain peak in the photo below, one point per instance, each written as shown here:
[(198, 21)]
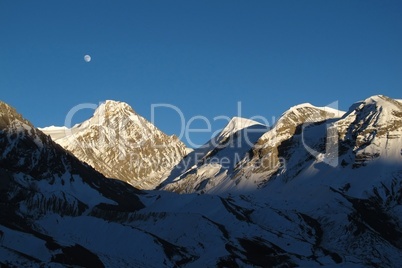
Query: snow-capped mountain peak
[(379, 114), (121, 144), (113, 108), (298, 109), (386, 106)]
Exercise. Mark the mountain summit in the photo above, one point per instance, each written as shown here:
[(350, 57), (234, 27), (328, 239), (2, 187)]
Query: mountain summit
[(121, 144)]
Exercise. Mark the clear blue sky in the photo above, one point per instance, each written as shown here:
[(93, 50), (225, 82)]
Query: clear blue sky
[(202, 56)]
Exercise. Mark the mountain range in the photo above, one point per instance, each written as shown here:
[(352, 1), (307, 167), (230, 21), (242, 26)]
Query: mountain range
[(320, 187)]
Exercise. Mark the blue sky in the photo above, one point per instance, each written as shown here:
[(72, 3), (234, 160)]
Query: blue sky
[(202, 56)]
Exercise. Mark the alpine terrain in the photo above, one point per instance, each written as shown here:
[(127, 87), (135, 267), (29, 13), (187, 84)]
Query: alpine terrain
[(121, 144), (320, 187)]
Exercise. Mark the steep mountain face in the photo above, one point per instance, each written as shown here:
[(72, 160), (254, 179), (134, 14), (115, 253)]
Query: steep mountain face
[(370, 130), (120, 144), (270, 155)]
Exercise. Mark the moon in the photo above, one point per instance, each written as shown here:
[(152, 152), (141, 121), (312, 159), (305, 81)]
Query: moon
[(87, 58)]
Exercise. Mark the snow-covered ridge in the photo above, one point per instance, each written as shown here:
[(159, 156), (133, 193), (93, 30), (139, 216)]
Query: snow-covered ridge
[(381, 108), (296, 115), (55, 132), (236, 124), (56, 128), (105, 109), (296, 108)]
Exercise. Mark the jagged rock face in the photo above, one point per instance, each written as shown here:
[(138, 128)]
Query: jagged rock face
[(121, 144), (370, 130), (272, 148)]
